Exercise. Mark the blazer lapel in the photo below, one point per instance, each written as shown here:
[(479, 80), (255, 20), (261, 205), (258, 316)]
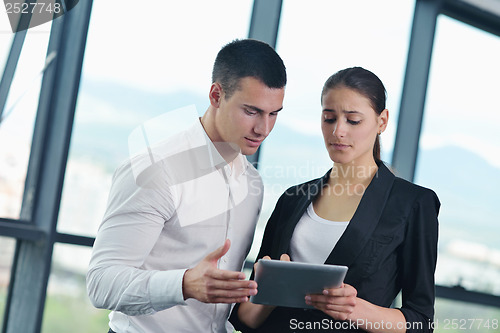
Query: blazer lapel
[(365, 219), (312, 190)]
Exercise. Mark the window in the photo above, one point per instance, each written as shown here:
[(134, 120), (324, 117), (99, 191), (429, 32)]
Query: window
[(459, 154), (16, 124), (135, 69), (67, 303), (453, 316), (6, 255)]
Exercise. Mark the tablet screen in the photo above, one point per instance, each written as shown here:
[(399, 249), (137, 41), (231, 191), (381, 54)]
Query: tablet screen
[(286, 283)]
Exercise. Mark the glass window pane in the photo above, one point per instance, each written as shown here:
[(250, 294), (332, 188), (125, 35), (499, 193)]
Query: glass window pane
[(6, 255), (67, 307), (6, 36), (16, 124), (137, 68), (452, 316), (459, 154), (315, 40)]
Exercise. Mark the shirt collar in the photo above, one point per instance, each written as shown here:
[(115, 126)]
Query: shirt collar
[(239, 165)]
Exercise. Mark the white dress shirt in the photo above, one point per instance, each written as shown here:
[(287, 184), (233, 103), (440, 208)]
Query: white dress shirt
[(167, 210)]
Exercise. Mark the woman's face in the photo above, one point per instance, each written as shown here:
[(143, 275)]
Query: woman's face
[(350, 126)]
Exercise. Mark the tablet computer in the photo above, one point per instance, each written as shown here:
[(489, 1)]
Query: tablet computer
[(286, 283)]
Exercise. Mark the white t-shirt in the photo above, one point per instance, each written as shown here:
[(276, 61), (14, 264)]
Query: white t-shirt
[(315, 237)]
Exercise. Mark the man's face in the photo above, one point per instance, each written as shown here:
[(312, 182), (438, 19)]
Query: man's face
[(247, 117)]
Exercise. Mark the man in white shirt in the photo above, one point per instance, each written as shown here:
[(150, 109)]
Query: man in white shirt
[(179, 224)]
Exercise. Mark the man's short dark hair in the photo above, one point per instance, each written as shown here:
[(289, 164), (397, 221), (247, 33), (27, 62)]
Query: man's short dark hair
[(248, 58)]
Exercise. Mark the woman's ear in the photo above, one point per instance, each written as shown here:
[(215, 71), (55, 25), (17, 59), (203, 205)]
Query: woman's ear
[(383, 119), (216, 94)]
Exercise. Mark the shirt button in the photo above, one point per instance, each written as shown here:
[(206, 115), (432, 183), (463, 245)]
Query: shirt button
[(214, 327)]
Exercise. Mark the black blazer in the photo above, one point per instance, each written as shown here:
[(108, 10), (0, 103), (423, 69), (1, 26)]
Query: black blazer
[(390, 245)]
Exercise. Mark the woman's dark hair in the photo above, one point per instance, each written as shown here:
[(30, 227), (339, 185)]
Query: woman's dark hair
[(367, 84), (248, 58)]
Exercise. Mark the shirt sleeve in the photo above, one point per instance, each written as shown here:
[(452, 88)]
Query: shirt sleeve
[(133, 222), (419, 255)]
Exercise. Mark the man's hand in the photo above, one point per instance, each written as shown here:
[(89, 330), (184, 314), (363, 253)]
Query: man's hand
[(208, 284)]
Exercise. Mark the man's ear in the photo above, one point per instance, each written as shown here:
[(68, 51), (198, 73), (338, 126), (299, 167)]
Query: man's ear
[(216, 94)]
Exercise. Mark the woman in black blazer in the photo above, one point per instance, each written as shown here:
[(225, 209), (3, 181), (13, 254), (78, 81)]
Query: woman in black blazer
[(360, 215)]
